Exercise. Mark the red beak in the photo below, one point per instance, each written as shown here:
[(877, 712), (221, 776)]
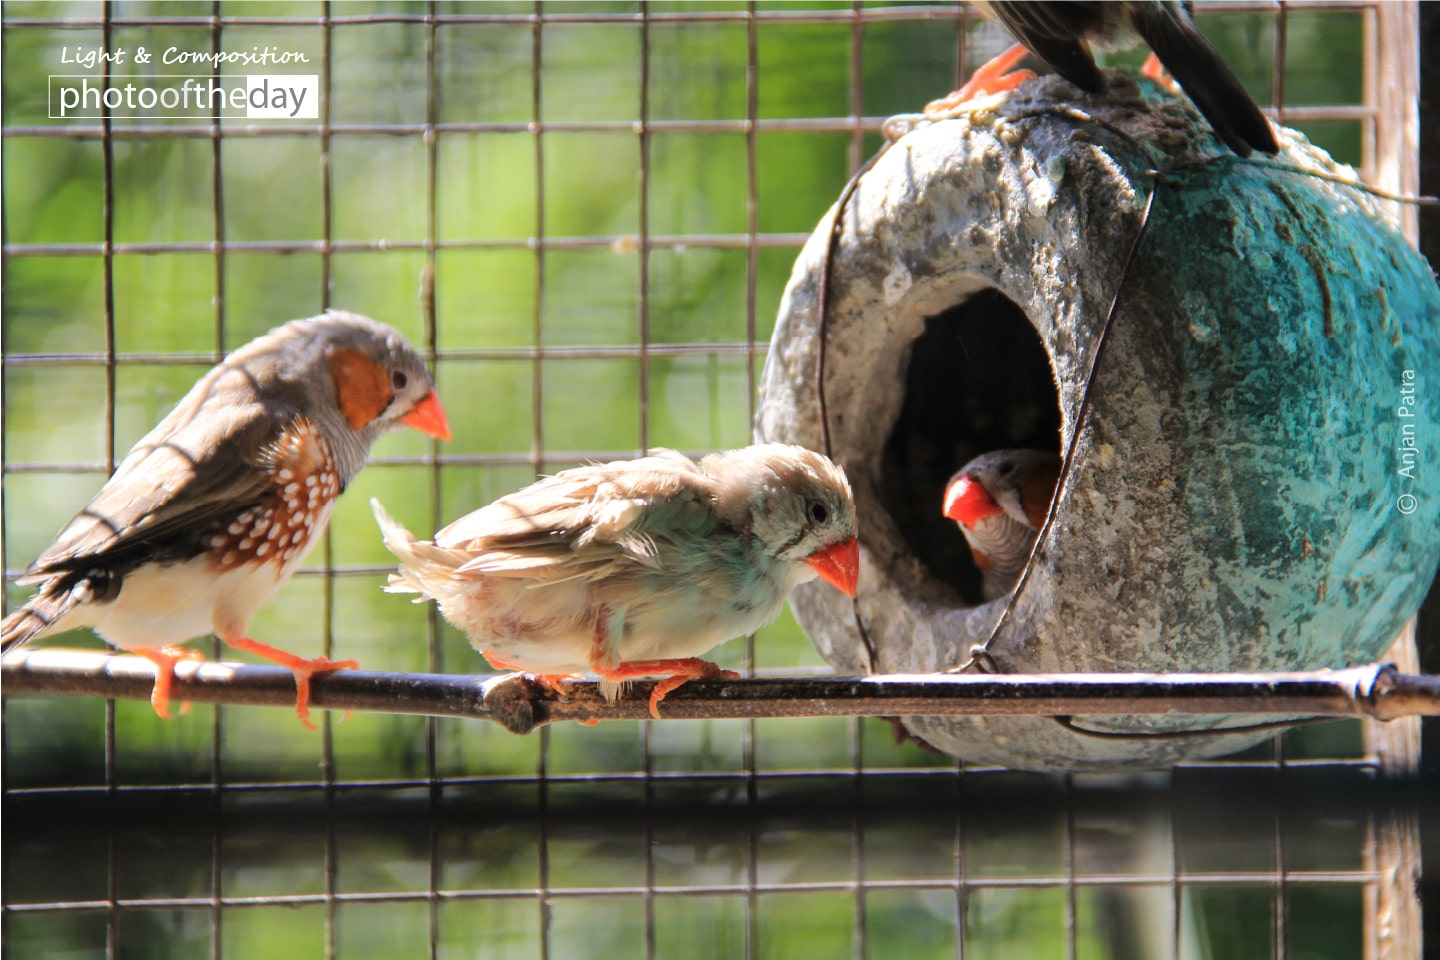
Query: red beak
[(967, 502), (429, 417), (838, 566)]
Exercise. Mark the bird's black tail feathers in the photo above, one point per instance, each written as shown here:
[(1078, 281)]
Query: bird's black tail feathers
[(44, 609), (1209, 82)]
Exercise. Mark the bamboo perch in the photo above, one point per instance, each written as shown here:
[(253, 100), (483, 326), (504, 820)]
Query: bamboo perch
[(520, 705)]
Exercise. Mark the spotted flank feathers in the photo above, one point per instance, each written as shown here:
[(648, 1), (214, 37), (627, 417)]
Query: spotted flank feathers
[(301, 471)]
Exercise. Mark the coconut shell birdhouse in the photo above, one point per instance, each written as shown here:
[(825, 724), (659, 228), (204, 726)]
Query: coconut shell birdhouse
[(1237, 359)]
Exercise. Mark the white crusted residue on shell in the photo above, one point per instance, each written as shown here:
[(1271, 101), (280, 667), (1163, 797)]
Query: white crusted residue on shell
[(897, 283)]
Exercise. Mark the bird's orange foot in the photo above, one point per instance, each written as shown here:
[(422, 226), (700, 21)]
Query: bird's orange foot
[(302, 668), (997, 76), (183, 653), (681, 670), (165, 659), (553, 681), (550, 681), (1156, 71)]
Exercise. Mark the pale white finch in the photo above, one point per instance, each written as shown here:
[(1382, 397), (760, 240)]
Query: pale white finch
[(636, 567), (213, 509), (999, 500), (1060, 32)]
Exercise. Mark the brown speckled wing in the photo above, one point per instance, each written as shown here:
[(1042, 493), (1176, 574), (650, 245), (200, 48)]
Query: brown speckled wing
[(187, 475)]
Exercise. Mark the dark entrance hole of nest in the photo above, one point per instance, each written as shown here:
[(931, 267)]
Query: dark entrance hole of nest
[(979, 380)]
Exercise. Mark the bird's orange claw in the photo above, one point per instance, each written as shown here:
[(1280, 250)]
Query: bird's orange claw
[(302, 668), (996, 76), (681, 670), (1156, 71), (550, 681), (165, 659)]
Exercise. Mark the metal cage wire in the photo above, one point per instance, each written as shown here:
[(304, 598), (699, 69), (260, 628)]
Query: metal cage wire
[(766, 797)]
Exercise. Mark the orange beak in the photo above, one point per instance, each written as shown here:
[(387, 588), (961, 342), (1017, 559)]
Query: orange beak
[(838, 566), (967, 502), (429, 417)]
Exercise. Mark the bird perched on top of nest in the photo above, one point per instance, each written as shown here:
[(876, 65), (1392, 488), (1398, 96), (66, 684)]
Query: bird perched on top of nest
[(1061, 33)]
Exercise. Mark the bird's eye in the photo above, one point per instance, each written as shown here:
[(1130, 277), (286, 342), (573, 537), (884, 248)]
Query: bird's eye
[(1007, 468), (818, 513), (398, 379)]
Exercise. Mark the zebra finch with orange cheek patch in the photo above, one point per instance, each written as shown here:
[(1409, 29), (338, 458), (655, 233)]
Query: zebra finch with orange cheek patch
[(212, 511)]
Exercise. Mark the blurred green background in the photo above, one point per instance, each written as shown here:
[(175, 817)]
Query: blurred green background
[(499, 300)]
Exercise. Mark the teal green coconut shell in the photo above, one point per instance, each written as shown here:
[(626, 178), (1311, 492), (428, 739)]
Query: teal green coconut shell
[(1303, 401), (1256, 480)]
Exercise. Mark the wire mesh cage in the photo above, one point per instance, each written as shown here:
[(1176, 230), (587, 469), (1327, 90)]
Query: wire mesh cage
[(584, 214)]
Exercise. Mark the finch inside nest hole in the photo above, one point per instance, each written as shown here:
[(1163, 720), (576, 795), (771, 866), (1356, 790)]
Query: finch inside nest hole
[(979, 379)]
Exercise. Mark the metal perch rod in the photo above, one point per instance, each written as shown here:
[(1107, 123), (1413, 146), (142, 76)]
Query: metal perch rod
[(520, 705)]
